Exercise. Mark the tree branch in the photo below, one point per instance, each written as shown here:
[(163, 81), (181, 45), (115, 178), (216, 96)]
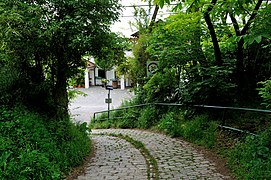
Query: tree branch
[(153, 17), (253, 15), (235, 25)]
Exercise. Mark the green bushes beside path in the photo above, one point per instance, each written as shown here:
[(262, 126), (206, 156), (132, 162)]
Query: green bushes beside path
[(34, 147)]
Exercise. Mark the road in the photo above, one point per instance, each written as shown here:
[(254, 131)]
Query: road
[(82, 108)]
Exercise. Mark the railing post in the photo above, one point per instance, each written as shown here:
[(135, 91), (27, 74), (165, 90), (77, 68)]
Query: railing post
[(223, 118)]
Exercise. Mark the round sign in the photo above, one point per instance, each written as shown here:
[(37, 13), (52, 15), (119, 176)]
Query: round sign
[(152, 67)]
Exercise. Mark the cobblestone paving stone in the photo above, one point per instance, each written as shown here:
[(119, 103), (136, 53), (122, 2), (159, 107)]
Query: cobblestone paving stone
[(176, 159), (115, 158)]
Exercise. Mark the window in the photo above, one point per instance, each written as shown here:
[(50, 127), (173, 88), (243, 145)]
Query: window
[(101, 73)]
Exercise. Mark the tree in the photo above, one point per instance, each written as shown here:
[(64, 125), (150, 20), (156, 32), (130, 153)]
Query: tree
[(230, 22), (113, 55), (47, 38), (183, 74)]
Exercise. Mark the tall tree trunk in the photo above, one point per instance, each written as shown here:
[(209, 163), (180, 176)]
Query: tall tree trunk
[(242, 79), (61, 95), (240, 67), (217, 52)]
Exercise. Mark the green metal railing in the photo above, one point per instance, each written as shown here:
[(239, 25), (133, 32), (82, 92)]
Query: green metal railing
[(195, 106)]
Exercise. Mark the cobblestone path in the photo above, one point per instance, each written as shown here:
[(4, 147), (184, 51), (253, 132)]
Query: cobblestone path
[(115, 158), (176, 159)]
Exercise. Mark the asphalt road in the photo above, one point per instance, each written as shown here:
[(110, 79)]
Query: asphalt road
[(82, 108)]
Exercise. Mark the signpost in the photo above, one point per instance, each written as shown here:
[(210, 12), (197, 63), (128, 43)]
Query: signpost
[(108, 100)]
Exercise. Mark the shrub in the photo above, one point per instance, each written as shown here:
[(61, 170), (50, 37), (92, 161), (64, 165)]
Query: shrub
[(9, 79), (252, 158), (148, 117), (200, 130), (265, 93), (37, 148), (169, 124)]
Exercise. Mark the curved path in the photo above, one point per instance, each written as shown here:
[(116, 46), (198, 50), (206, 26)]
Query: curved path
[(118, 159)]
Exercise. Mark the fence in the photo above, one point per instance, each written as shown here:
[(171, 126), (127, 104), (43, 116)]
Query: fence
[(222, 125)]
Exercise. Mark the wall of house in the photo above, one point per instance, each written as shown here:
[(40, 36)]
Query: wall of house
[(110, 75), (92, 77)]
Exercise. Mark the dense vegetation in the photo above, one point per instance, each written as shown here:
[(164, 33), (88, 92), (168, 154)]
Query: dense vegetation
[(33, 147), (42, 43), (214, 53)]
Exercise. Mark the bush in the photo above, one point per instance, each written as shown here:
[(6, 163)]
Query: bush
[(169, 124), (265, 93), (200, 130), (147, 118), (37, 148), (252, 158), (9, 79), (161, 86)]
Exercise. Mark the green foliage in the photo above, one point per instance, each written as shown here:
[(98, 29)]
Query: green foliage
[(148, 117), (174, 42), (159, 88), (251, 159), (112, 53), (265, 93), (200, 130), (98, 124), (36, 148), (142, 18), (73, 93), (138, 63), (211, 85), (9, 81), (169, 124), (259, 30), (45, 41), (185, 72), (118, 119)]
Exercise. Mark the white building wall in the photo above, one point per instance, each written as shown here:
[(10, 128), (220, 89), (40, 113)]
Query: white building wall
[(92, 77), (87, 78)]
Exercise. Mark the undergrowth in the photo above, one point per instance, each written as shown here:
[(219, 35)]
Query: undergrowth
[(251, 159), (34, 147)]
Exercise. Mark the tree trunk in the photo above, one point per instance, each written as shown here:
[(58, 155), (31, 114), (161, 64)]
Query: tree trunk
[(242, 79), (153, 18), (61, 95), (240, 67), (217, 52)]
